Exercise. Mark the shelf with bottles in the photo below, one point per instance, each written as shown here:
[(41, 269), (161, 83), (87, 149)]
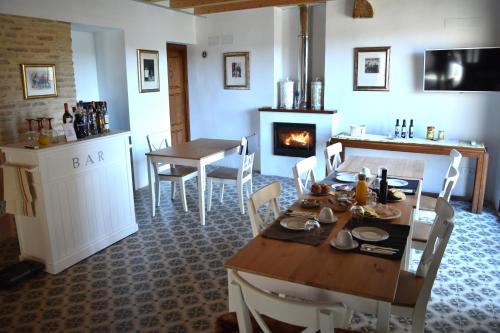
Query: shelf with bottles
[(88, 118)]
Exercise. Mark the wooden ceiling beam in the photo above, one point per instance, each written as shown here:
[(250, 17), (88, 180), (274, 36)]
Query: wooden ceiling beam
[(181, 4), (250, 4)]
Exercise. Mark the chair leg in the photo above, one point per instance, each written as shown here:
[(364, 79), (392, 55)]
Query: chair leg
[(157, 192), (418, 321), (209, 196), (221, 192), (250, 184), (183, 195), (239, 188), (173, 190)]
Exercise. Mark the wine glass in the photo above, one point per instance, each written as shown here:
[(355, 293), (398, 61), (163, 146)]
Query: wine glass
[(31, 136)]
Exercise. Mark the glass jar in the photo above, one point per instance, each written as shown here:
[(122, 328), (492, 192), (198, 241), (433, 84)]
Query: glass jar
[(430, 133)]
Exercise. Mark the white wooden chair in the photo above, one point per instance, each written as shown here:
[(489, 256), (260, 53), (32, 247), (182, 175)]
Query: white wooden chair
[(322, 316), (176, 174), (412, 294), (307, 167), (238, 177), (332, 157), (268, 194), (421, 229), (429, 203)]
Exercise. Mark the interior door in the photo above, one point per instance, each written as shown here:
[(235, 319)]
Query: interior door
[(178, 93)]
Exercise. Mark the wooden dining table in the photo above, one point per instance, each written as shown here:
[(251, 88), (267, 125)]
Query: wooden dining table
[(322, 273), (197, 153)]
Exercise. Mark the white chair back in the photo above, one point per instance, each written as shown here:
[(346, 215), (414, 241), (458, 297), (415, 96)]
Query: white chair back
[(315, 316), (455, 159), (449, 183), (332, 157), (434, 250), (246, 161), (306, 166), (268, 194), (157, 141)]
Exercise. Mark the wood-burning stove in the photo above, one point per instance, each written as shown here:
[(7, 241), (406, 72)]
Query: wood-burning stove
[(292, 139)]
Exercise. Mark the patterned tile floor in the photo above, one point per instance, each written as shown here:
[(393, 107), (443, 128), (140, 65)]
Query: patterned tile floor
[(169, 276)]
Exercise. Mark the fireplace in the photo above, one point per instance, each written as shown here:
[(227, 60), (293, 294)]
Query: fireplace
[(291, 139)]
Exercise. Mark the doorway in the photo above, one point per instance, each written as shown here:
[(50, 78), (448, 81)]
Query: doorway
[(178, 93)]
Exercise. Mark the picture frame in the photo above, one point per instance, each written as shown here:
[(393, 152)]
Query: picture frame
[(39, 80), (236, 70), (148, 62), (371, 68)]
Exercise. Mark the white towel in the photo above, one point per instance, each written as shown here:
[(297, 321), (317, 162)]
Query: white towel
[(17, 191)]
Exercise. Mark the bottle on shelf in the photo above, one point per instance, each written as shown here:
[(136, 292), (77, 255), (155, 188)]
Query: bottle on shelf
[(410, 129), (382, 195), (78, 122), (396, 129), (361, 190), (403, 129), (92, 119), (67, 117), (99, 118), (105, 117)]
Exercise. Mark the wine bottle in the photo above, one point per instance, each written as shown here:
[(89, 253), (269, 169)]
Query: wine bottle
[(403, 129), (67, 117), (78, 122), (99, 118), (382, 195), (410, 129), (106, 117), (396, 129)]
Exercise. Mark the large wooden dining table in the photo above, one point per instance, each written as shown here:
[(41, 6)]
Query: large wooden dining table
[(197, 153), (362, 282)]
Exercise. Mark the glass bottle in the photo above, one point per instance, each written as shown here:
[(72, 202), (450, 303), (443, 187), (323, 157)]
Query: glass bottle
[(403, 129), (106, 117), (361, 190), (396, 129), (67, 117), (382, 196), (410, 129)]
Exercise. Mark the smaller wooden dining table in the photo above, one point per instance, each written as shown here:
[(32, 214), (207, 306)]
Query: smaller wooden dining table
[(197, 153)]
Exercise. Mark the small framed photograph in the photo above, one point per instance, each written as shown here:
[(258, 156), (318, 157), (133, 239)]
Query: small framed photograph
[(236, 70), (371, 68), (39, 81), (148, 69)]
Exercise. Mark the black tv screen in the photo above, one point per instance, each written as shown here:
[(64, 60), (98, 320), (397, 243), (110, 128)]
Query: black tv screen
[(475, 69)]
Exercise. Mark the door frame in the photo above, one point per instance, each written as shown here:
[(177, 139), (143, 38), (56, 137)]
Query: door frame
[(183, 49)]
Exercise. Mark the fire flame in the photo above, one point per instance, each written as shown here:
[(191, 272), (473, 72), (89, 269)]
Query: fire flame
[(297, 139)]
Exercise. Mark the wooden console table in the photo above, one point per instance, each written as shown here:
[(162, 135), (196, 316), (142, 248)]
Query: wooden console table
[(423, 146)]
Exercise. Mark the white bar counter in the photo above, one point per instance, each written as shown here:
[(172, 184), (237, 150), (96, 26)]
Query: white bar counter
[(83, 198)]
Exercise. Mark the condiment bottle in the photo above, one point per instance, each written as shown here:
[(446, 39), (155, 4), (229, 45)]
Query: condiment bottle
[(382, 195), (361, 190)]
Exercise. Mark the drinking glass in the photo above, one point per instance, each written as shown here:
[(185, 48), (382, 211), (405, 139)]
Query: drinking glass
[(31, 135), (313, 226)]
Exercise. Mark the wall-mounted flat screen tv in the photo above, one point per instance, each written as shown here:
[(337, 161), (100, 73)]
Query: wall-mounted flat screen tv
[(471, 69)]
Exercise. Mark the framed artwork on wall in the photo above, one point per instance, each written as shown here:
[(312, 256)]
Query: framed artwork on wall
[(148, 70), (236, 70), (39, 81), (371, 68)]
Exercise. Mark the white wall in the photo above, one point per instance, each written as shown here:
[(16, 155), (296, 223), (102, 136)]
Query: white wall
[(84, 65), (145, 27), (112, 76), (216, 112), (410, 27)]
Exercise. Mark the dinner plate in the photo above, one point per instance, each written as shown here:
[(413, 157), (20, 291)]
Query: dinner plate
[(354, 245), (319, 194), (396, 182), (294, 223), (388, 212), (370, 234), (347, 177)]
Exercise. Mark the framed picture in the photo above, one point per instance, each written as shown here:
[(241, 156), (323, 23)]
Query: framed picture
[(236, 70), (39, 81), (148, 69), (371, 68)]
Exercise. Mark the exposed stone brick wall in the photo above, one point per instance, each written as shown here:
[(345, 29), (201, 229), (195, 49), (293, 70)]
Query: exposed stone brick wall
[(26, 40)]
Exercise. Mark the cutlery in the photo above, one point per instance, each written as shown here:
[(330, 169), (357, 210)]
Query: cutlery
[(380, 247), (378, 251)]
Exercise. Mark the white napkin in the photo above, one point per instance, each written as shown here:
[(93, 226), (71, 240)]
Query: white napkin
[(17, 191)]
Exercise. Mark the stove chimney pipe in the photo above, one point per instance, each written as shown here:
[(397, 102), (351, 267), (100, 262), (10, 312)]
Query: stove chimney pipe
[(303, 56)]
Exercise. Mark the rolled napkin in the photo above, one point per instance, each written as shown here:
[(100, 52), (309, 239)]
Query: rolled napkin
[(18, 193)]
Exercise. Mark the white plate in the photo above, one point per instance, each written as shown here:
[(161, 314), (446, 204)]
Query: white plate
[(347, 177), (389, 213), (396, 182), (294, 223), (370, 234), (354, 245)]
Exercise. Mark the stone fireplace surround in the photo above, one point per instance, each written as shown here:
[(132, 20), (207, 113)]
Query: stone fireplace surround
[(270, 164)]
